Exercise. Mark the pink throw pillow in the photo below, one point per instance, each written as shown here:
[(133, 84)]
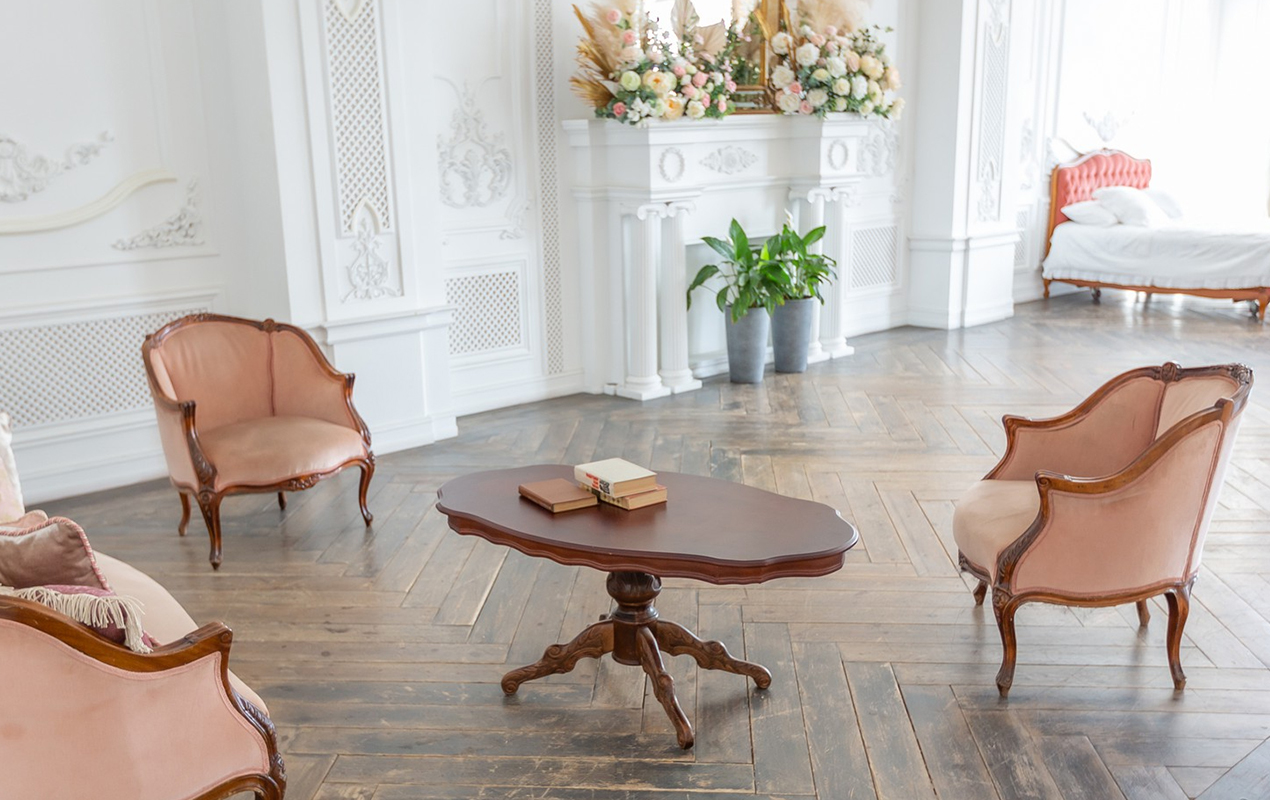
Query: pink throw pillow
[(111, 616), (53, 552)]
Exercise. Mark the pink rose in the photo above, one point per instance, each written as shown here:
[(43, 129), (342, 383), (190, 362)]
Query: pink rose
[(614, 16), (690, 92), (699, 79), (619, 109), (628, 37), (817, 40), (832, 48), (794, 88), (804, 107), (678, 69), (853, 61), (730, 86), (722, 104), (831, 30)]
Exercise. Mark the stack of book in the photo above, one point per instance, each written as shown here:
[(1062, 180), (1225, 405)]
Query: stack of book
[(620, 483)]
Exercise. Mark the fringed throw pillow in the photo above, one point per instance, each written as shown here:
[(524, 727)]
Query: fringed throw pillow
[(52, 552), (114, 617)]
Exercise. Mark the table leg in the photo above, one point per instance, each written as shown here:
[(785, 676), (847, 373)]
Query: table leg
[(678, 641), (593, 642), (664, 687)]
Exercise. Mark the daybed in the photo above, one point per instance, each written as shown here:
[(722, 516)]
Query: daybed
[(1176, 258)]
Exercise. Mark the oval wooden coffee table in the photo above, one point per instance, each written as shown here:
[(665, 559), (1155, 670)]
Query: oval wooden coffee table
[(710, 530)]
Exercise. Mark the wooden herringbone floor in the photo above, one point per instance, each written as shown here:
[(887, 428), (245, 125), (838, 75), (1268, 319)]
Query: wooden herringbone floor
[(379, 651)]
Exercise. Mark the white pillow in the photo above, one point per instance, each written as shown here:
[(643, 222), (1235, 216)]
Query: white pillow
[(1090, 212), (1167, 202), (1131, 206)]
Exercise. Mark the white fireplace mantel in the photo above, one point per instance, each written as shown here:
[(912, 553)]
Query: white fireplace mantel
[(646, 196)]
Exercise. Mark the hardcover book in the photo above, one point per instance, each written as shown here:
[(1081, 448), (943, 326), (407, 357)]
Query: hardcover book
[(632, 501), (557, 495), (615, 476)]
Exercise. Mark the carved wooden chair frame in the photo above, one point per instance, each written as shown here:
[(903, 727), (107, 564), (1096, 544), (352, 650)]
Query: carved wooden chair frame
[(205, 493), (208, 640), (1005, 601)]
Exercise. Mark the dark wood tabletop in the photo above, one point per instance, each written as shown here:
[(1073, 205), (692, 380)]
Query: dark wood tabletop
[(710, 529)]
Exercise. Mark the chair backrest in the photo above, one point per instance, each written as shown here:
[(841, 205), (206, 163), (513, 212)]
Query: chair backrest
[(221, 363)]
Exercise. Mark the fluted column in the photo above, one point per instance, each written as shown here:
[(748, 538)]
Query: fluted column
[(815, 217), (642, 381), (833, 320), (676, 375)]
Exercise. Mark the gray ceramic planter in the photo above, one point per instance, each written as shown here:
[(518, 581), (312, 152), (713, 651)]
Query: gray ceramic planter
[(791, 334), (747, 345)]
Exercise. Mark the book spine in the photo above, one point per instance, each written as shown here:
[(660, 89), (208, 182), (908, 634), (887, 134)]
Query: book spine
[(589, 480), (605, 497)]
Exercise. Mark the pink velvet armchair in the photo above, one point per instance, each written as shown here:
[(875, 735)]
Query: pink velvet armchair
[(247, 406), (84, 717), (1106, 504)]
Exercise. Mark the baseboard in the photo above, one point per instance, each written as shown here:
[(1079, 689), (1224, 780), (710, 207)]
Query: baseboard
[(409, 434), (66, 459), (515, 392)]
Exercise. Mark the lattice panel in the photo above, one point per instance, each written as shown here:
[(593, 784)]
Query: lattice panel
[(487, 316), (873, 257), (545, 79), (1024, 222), (77, 370), (357, 111)]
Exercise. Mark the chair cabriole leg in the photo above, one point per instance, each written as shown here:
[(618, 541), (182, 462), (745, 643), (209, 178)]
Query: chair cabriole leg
[(1179, 601), (1144, 613), (282, 501), (209, 504), (185, 514), (981, 591), (368, 472), (1004, 607)]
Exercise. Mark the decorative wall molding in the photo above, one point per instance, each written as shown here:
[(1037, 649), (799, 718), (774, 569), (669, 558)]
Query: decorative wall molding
[(516, 230), (548, 137), (1106, 126), (475, 167), (368, 272), (671, 165), (358, 120), (182, 229), (63, 219), (993, 91), (729, 160), (838, 154), (879, 151), (23, 173)]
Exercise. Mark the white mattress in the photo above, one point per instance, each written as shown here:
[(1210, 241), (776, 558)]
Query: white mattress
[(1174, 257)]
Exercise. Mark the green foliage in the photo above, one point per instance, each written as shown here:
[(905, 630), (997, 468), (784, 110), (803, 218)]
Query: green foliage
[(765, 276)]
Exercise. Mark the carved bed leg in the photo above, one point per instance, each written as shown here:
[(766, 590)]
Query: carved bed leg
[(1004, 607), (368, 471), (1179, 601), (209, 504), (1144, 613), (981, 591), (1047, 287), (282, 501), (185, 514)]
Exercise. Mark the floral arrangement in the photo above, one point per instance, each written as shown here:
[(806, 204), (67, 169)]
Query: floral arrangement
[(819, 71), (634, 72)]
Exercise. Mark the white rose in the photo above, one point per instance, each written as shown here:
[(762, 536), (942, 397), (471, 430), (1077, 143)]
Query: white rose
[(781, 43), (867, 64), (893, 78), (656, 56), (631, 55), (874, 88), (840, 104), (837, 66), (866, 108), (817, 97), (876, 70), (821, 75), (629, 81), (859, 87), (696, 110), (782, 76), (897, 107), (807, 54), (842, 86), (788, 102)]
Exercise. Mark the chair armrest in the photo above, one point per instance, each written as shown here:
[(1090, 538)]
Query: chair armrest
[(1137, 529), (307, 385), (178, 432), (1100, 436), (166, 723)]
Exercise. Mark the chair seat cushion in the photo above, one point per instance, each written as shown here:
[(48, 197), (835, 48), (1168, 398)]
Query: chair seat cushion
[(164, 618), (990, 516), (266, 451)]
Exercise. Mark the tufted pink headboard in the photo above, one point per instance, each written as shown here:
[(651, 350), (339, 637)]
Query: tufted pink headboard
[(1076, 180)]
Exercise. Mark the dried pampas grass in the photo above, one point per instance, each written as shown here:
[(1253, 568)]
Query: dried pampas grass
[(845, 15), (597, 57)]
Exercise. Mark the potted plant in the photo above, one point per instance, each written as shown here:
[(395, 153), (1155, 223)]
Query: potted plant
[(753, 285), (807, 271)]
